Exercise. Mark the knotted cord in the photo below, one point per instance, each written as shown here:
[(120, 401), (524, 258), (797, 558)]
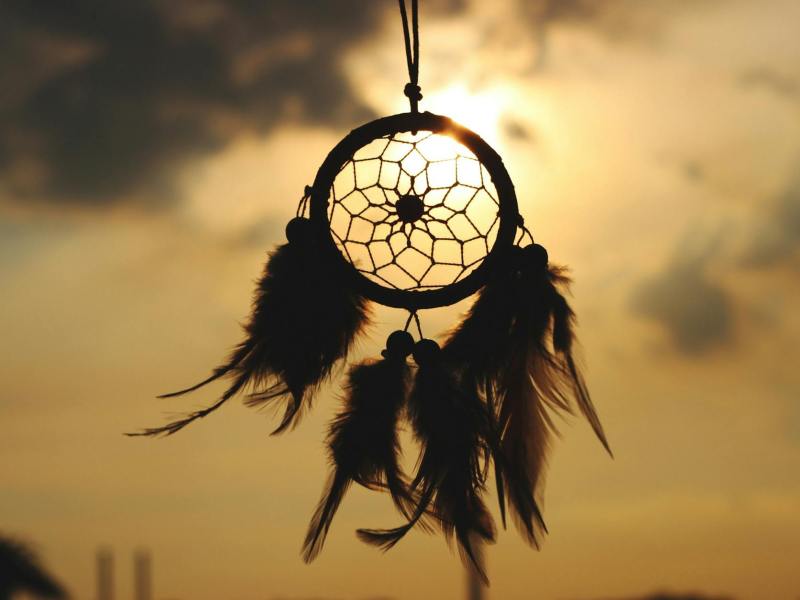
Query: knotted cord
[(411, 37), (413, 316), (302, 206)]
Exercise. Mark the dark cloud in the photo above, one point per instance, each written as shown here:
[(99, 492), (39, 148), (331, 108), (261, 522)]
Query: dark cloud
[(545, 13), (619, 19), (549, 11), (694, 171), (516, 130), (776, 238), (614, 20), (695, 312), (772, 80), (103, 100)]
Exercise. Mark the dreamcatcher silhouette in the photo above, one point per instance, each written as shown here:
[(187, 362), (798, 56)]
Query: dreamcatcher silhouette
[(414, 211)]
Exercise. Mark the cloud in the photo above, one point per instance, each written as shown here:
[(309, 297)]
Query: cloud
[(770, 79), (517, 130), (614, 20), (548, 11), (694, 171), (694, 311), (776, 238), (102, 101)]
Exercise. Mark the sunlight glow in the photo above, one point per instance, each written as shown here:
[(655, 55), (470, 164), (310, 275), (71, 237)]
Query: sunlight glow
[(482, 111)]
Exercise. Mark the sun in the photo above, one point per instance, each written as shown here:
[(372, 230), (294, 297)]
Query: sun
[(480, 111)]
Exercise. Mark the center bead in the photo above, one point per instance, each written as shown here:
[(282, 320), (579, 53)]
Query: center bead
[(409, 208)]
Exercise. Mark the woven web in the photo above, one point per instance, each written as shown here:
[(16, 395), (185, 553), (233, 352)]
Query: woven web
[(455, 232)]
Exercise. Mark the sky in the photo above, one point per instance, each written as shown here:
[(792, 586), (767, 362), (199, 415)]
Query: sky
[(150, 155)]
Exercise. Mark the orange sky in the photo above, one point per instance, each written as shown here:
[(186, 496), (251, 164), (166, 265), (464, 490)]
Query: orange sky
[(655, 148)]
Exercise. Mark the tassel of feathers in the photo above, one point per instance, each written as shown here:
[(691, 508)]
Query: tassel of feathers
[(452, 429), (544, 311), (515, 348), (478, 348), (304, 319), (484, 397), (362, 442)]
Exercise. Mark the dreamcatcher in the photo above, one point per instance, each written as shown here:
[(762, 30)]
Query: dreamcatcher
[(413, 211)]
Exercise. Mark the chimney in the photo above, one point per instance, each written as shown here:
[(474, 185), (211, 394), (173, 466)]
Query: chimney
[(142, 576), (105, 574), (474, 585)]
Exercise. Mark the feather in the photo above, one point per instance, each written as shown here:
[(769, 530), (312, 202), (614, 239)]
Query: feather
[(548, 322), (563, 337), (540, 376), (452, 429), (386, 539), (524, 444), (21, 573), (304, 319), (479, 346), (362, 441), (480, 342), (515, 348)]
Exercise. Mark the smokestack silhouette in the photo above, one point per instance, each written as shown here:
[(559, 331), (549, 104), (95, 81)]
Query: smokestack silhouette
[(105, 574), (474, 585), (142, 576)]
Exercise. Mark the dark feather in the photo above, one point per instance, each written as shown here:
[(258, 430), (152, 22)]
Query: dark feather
[(479, 347), (525, 435), (479, 344), (540, 376), (385, 539), (452, 429), (21, 573), (563, 338), (363, 444), (338, 484), (304, 319), (548, 321), (514, 348)]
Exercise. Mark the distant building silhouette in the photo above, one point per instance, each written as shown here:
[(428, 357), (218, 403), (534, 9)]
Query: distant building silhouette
[(475, 589), (105, 574), (474, 586), (142, 576)]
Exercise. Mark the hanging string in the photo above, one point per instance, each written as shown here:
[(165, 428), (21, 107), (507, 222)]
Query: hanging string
[(303, 205), (413, 316), (523, 234), (411, 37)]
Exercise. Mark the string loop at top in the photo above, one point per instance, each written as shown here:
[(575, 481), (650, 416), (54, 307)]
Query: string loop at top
[(412, 90), (302, 206)]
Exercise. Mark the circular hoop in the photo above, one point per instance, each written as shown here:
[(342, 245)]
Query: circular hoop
[(508, 212)]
